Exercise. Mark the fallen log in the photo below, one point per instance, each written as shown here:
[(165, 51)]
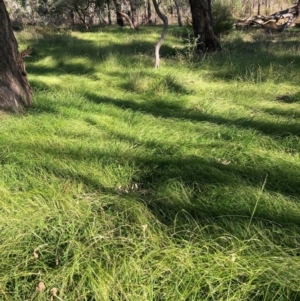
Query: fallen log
[(278, 21)]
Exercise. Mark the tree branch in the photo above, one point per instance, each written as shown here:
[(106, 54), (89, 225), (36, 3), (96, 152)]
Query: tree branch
[(164, 18)]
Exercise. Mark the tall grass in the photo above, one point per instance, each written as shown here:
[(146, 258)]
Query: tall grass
[(123, 182)]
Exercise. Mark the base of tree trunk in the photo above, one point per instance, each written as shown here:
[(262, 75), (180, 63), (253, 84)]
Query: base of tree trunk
[(14, 101), (202, 26), (15, 92)]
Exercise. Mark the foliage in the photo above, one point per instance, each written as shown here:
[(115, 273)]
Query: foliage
[(222, 17), (123, 182), (55, 11)]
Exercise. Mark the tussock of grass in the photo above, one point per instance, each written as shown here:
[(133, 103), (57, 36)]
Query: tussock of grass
[(123, 182)]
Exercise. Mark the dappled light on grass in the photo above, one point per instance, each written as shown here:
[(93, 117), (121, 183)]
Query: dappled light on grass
[(127, 183)]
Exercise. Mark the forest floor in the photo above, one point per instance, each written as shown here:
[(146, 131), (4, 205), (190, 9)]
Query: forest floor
[(125, 182)]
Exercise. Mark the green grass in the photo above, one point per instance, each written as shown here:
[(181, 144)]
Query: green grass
[(124, 182)]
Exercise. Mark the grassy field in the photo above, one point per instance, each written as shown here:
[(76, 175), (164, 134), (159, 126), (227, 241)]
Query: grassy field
[(125, 182)]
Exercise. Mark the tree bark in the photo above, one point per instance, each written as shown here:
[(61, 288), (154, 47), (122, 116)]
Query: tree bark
[(120, 20), (298, 8), (202, 26), (124, 15), (178, 13), (164, 18), (121, 15), (149, 12), (15, 92), (81, 15), (108, 12), (134, 17)]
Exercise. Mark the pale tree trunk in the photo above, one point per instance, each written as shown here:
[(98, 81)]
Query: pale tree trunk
[(178, 13), (164, 18), (202, 26), (15, 92)]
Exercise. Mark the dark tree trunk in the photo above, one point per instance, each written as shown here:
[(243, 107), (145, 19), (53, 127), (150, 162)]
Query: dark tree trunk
[(108, 12), (149, 12), (121, 15), (202, 26), (120, 20), (72, 18), (178, 13), (15, 92), (82, 17)]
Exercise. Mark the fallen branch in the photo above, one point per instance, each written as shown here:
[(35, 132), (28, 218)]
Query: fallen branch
[(278, 21)]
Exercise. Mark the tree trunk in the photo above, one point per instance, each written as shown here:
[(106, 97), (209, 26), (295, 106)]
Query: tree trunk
[(120, 20), (121, 15), (15, 92), (164, 18), (134, 17), (202, 26), (124, 15), (72, 18), (149, 12), (108, 12), (81, 15), (178, 13)]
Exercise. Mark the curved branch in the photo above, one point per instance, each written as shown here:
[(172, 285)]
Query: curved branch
[(164, 18), (128, 19), (121, 15)]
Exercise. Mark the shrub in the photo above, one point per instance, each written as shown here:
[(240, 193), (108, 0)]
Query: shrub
[(222, 17)]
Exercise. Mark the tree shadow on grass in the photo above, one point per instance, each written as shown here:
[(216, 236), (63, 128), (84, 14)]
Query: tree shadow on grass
[(175, 188), (199, 174), (194, 169), (263, 59), (289, 98), (175, 110), (199, 179), (63, 46), (62, 67), (237, 60), (148, 82), (291, 113), (287, 107)]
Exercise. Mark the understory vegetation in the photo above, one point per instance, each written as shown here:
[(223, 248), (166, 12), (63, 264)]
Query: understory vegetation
[(125, 182)]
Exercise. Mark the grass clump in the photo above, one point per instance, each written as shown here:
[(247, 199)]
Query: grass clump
[(123, 182)]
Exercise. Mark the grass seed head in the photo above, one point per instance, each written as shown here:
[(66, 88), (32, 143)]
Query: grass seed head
[(41, 286)]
